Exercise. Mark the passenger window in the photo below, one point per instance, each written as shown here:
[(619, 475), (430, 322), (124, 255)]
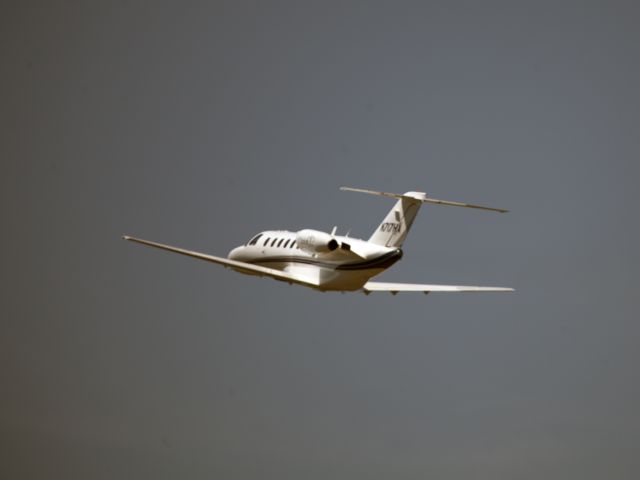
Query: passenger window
[(280, 242), (266, 240), (286, 243), (274, 241), (293, 244)]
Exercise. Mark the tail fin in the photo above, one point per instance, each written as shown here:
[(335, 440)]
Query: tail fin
[(394, 228)]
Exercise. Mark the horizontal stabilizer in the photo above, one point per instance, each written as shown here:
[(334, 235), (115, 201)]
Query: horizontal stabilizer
[(371, 192), (422, 197)]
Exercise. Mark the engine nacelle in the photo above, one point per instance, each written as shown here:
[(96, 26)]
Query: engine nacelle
[(315, 241)]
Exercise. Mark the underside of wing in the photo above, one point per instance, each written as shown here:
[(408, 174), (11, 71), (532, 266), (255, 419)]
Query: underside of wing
[(394, 288), (225, 262)]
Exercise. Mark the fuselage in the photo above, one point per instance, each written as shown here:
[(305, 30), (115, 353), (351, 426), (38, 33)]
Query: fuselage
[(347, 267)]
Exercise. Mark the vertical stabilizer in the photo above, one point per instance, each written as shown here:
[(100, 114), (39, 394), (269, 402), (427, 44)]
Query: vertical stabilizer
[(394, 228)]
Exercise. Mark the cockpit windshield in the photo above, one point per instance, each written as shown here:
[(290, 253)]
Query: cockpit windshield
[(255, 239)]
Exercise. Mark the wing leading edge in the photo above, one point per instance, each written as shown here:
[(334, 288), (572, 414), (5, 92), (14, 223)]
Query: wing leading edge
[(394, 288), (225, 262)]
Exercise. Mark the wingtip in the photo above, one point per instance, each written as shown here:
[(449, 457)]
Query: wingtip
[(126, 237)]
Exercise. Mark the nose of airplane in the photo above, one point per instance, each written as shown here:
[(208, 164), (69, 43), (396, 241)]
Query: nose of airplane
[(234, 254)]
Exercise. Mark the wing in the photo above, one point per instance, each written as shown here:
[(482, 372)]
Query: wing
[(225, 262), (394, 288)]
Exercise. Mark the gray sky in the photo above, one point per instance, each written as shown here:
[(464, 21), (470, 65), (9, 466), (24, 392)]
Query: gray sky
[(202, 124)]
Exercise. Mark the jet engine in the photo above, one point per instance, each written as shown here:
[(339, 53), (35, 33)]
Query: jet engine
[(315, 241)]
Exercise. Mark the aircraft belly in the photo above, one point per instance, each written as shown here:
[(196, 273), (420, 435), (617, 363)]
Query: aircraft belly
[(346, 280), (331, 275), (332, 279)]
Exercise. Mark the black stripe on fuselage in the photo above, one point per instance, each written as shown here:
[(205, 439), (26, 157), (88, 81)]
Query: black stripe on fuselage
[(383, 261)]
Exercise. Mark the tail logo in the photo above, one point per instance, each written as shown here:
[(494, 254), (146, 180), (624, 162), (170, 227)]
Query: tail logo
[(390, 227)]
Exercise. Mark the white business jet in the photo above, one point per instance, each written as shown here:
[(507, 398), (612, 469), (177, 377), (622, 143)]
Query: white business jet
[(330, 262)]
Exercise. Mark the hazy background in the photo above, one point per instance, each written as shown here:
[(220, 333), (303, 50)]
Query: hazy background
[(202, 123)]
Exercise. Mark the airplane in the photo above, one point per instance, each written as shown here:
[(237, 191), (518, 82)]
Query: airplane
[(329, 262)]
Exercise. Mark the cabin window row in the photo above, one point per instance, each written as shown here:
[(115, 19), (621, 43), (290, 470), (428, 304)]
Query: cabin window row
[(268, 241), (279, 242)]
